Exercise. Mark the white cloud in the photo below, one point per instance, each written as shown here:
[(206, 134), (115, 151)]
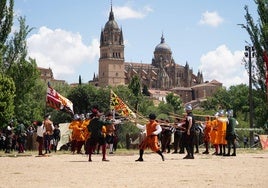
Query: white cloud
[(61, 50), (224, 66), (126, 12), (211, 19)]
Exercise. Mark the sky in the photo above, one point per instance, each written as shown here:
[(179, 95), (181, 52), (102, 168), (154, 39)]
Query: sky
[(205, 34)]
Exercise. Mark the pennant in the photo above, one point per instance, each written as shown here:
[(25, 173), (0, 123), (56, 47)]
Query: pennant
[(119, 106), (57, 101)]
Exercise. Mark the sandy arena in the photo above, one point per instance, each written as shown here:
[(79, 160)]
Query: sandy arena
[(247, 169)]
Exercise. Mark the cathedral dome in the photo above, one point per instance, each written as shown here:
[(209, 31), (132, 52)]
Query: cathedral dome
[(162, 47), (111, 24)]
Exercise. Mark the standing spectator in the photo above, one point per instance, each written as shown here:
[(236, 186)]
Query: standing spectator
[(56, 137), (21, 136), (30, 136), (9, 136), (48, 134), (151, 140), (40, 131), (2, 140), (189, 133), (245, 140), (230, 133)]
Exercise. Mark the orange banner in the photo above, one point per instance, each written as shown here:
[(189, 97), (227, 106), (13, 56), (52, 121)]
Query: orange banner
[(264, 141)]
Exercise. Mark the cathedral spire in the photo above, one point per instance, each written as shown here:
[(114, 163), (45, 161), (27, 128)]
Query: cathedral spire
[(162, 38), (111, 17)]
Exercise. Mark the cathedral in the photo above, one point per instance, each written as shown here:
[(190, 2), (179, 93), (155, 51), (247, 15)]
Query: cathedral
[(162, 74)]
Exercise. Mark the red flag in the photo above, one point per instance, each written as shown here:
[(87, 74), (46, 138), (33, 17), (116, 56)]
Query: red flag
[(57, 101)]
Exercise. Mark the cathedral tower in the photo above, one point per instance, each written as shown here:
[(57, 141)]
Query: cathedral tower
[(111, 62)]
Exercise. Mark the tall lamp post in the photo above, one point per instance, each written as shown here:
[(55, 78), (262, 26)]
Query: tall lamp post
[(249, 53)]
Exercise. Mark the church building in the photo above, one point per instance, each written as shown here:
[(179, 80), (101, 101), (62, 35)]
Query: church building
[(161, 74)]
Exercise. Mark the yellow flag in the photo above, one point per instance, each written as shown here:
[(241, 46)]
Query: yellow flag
[(120, 107)]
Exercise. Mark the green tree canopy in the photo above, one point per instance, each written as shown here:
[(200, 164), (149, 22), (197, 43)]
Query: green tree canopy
[(7, 95)]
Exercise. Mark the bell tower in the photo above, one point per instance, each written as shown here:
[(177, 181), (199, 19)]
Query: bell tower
[(111, 62)]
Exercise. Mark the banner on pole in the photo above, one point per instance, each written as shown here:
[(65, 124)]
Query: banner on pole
[(57, 101), (120, 107)]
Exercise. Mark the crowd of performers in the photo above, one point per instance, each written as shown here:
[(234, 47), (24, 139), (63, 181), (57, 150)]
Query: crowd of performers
[(93, 132), (216, 131), (96, 131)]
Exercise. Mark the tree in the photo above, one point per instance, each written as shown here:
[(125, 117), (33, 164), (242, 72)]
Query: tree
[(81, 98), (6, 21), (7, 95), (135, 87), (258, 33), (174, 101), (23, 72)]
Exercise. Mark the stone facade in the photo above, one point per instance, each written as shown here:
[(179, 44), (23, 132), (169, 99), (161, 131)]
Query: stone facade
[(162, 74)]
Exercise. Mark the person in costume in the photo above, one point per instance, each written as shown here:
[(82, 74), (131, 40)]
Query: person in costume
[(189, 133), (86, 132), (214, 135), (56, 136), (48, 136), (74, 128), (230, 133), (20, 132), (166, 134), (222, 123), (9, 136), (80, 134), (40, 131), (207, 131), (97, 128), (151, 140), (177, 135), (110, 131)]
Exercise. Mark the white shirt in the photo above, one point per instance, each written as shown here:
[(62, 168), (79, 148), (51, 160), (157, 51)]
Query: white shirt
[(41, 130), (156, 132)]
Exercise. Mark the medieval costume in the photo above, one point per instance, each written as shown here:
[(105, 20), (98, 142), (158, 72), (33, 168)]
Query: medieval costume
[(151, 140)]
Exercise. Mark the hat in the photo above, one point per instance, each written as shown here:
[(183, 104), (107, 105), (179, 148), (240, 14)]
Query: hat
[(152, 116), (188, 107), (47, 116)]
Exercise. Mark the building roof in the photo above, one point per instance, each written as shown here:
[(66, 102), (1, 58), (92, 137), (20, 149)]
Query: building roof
[(162, 46)]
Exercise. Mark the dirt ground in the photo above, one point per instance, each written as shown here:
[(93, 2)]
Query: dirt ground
[(247, 169)]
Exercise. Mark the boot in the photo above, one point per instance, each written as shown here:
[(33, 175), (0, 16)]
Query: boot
[(162, 156), (140, 159), (104, 152)]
